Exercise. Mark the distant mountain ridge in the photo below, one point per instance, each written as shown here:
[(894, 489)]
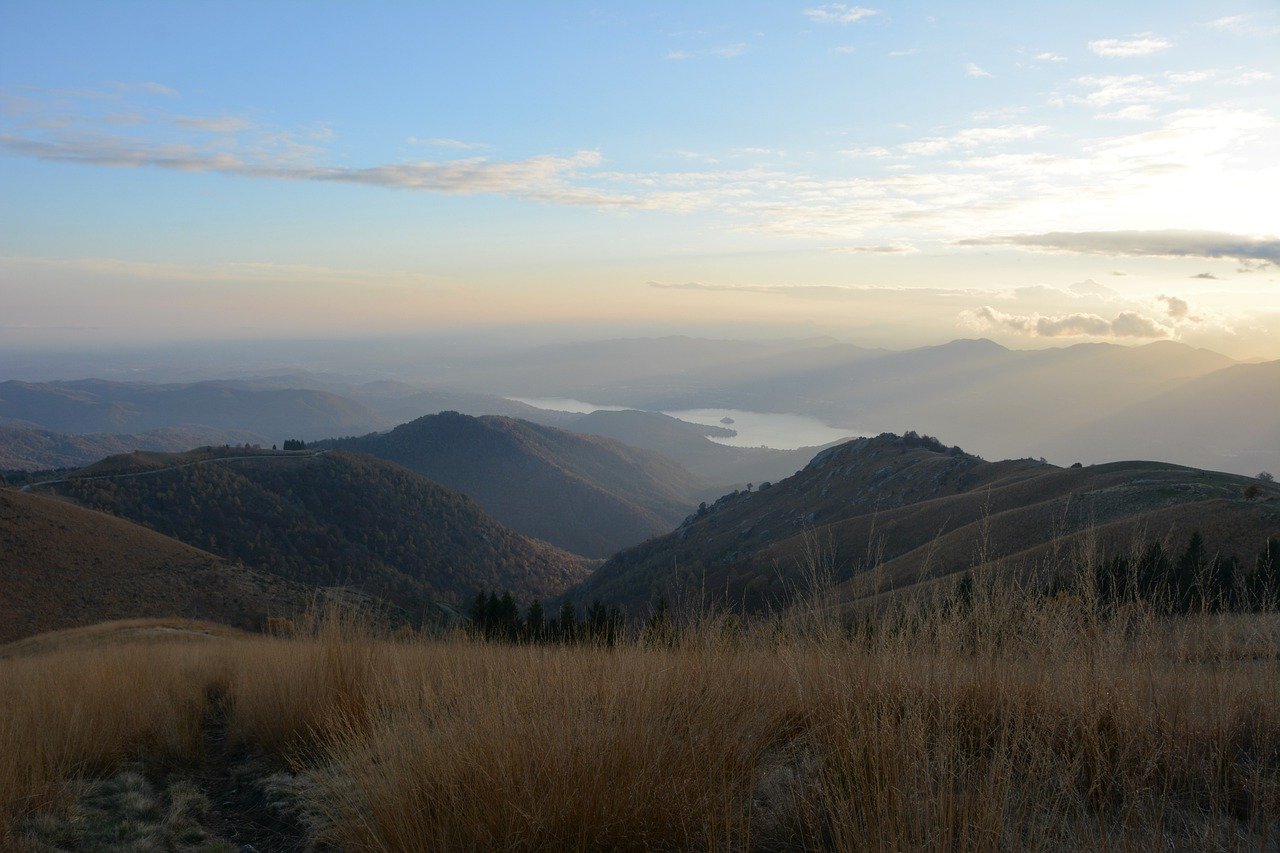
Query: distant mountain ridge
[(586, 494), (100, 406), (1082, 401), (915, 511), (995, 400), (1232, 414), (29, 448)]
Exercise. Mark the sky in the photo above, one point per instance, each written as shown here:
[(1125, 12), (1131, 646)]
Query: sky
[(895, 174)]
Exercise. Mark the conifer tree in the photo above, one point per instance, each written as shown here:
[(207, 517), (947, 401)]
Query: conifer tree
[(535, 622), (479, 611), (568, 623), (1188, 577), (508, 617)]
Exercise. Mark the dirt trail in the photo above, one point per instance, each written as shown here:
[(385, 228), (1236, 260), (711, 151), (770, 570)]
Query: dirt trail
[(253, 801), (234, 800)]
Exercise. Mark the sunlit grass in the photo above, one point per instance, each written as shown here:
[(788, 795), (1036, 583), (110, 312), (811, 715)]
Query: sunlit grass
[(1022, 722)]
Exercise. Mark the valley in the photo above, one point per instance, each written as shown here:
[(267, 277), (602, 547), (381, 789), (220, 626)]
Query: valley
[(577, 426)]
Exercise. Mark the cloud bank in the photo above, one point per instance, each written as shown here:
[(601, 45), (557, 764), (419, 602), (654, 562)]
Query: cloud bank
[(1164, 244), (1127, 324)]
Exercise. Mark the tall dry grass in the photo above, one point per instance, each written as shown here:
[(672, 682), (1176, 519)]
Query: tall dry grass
[(1017, 722)]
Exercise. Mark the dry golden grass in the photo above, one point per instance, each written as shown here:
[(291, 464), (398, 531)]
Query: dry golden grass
[(1024, 723)]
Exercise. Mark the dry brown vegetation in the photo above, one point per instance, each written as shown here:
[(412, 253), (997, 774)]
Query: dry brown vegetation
[(1022, 722), (63, 566)]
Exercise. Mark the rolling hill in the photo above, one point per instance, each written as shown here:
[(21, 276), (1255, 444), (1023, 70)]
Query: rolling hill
[(63, 566), (586, 494), (327, 519), (914, 510)]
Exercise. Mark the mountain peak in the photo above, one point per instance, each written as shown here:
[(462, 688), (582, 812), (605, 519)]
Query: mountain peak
[(860, 447), (975, 345)]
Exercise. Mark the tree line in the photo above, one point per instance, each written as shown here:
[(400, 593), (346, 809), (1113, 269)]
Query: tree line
[(1192, 580), (497, 618)]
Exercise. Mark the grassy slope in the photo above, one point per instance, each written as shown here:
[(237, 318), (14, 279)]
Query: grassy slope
[(63, 566), (912, 512), (1023, 724)]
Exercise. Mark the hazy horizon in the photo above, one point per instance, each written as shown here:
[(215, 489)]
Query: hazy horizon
[(407, 357), (893, 175)]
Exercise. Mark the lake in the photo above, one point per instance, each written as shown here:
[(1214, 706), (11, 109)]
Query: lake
[(755, 429)]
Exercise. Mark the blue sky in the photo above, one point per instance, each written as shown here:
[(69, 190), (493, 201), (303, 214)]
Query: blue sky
[(895, 173)]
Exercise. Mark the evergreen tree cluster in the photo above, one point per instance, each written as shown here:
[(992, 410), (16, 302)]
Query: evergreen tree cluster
[(1193, 580), (911, 438), (497, 618)]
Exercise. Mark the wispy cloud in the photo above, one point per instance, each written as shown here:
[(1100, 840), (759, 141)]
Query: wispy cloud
[(1166, 244), (728, 51), (825, 291), (1197, 76), (990, 179), (1248, 78), (1133, 112), (1106, 90), (1049, 56), (1229, 22), (221, 124), (874, 151), (1142, 44), (974, 137), (1244, 25), (839, 13), (261, 272), (1089, 287), (1127, 324), (541, 177), (150, 87), (445, 142), (974, 70), (887, 249)]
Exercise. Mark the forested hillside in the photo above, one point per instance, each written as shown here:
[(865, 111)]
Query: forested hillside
[(332, 519), (586, 494)]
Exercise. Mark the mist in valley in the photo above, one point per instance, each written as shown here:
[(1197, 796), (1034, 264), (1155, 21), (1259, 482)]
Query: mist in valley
[(734, 426)]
